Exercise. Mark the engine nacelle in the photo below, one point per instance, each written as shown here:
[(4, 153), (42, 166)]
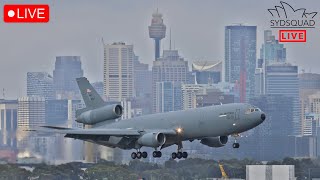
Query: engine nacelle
[(100, 114), (215, 141), (152, 139)]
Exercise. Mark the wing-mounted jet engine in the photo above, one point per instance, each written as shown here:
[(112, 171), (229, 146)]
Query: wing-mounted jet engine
[(215, 141)]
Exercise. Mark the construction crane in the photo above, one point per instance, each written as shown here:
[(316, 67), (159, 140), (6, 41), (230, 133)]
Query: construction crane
[(223, 173)]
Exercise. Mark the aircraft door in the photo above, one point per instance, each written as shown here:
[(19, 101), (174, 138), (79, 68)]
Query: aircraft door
[(237, 115)]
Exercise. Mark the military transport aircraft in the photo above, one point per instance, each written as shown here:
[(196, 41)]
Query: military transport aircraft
[(211, 125)]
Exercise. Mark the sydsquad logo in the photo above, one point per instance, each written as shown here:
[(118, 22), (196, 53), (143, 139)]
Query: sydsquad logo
[(288, 17), (293, 22)]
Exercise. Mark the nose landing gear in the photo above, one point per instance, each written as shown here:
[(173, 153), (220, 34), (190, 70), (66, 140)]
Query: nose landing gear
[(235, 145)]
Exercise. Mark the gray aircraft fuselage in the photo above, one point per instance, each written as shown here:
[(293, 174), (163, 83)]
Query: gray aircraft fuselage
[(211, 121)]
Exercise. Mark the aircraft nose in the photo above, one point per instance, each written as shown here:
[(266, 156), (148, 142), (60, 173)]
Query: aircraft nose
[(263, 116)]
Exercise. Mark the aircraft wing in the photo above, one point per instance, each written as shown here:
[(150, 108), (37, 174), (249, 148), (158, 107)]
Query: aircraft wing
[(100, 131)]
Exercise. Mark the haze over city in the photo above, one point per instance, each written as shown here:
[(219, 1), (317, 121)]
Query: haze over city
[(77, 27)]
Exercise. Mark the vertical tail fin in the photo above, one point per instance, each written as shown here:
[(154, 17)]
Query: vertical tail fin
[(90, 96)]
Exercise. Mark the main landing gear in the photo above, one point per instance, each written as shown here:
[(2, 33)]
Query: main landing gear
[(156, 154), (235, 145), (179, 154), (139, 155)]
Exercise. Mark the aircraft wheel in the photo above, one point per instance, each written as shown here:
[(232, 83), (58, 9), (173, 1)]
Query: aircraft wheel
[(236, 145), (139, 155), (174, 155), (155, 154), (159, 154), (133, 155), (185, 155), (144, 154), (179, 155)]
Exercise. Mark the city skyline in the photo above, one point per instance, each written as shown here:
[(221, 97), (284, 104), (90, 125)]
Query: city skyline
[(79, 34)]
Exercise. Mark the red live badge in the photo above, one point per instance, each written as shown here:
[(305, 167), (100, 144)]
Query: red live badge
[(26, 13)]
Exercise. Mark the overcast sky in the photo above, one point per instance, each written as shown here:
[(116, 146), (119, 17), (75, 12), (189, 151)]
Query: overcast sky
[(76, 28)]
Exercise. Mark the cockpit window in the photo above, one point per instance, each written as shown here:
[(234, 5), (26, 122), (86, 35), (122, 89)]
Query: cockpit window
[(250, 110)]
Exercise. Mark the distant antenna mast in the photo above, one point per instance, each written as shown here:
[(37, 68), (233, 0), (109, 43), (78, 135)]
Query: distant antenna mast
[(3, 93), (103, 41), (170, 38)]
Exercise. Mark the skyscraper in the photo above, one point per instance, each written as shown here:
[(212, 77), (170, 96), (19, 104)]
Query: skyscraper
[(31, 111), (56, 112), (40, 84), (275, 131), (8, 122), (142, 79), (157, 31), (98, 86), (309, 84), (200, 95), (240, 58), (118, 71), (282, 79), (67, 69), (169, 68), (169, 96), (259, 82), (271, 51)]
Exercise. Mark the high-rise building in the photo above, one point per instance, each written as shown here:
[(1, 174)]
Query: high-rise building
[(31, 111), (56, 112), (157, 31), (200, 95), (271, 51), (168, 96), (40, 84), (142, 79), (314, 103), (311, 123), (275, 131), (213, 97), (240, 58), (118, 71), (189, 92), (8, 122), (259, 82), (309, 81), (142, 103), (98, 86), (169, 68), (309, 84), (207, 72), (73, 106), (282, 79), (67, 69)]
